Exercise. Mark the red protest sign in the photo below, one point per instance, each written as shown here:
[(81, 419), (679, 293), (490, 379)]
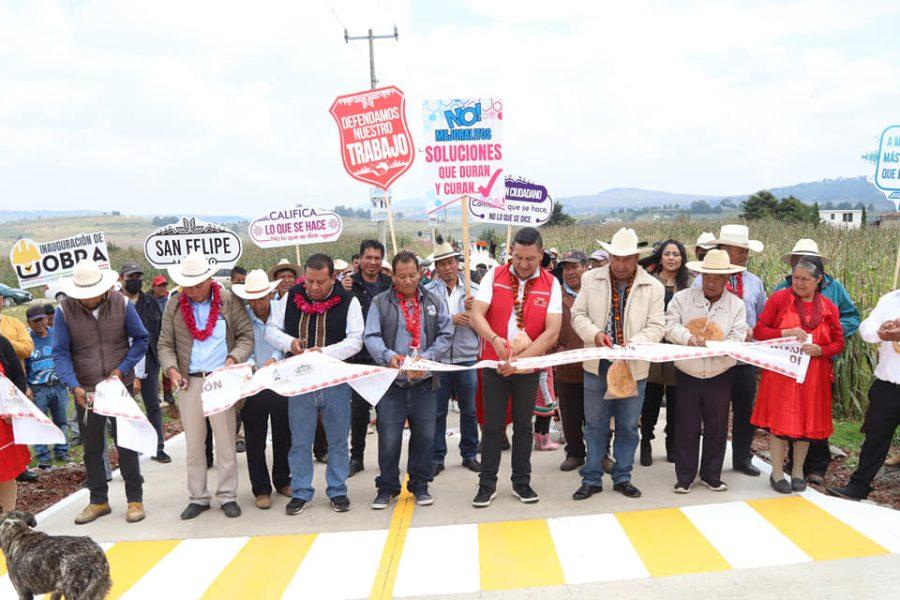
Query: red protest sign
[(376, 145)]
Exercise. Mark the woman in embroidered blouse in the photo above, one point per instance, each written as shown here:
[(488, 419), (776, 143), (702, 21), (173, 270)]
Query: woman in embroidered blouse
[(790, 411)]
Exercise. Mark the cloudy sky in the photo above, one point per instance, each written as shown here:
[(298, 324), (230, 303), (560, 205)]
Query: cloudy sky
[(150, 107)]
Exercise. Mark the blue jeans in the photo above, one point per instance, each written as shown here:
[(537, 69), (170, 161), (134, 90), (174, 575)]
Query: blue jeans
[(334, 405), (462, 384), (597, 413), (53, 400), (416, 404)]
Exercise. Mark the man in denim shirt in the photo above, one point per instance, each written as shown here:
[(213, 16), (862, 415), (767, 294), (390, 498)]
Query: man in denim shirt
[(407, 320), (463, 351), (45, 389)]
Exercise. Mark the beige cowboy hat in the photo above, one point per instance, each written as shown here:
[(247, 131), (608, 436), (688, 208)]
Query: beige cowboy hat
[(716, 262), (193, 270), (804, 247), (340, 264), (285, 265), (706, 241), (386, 265), (737, 235), (257, 285), (443, 249), (624, 243), (88, 280)]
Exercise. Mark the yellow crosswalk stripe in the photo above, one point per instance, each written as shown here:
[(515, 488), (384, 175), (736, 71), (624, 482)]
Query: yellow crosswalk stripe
[(517, 554), (262, 569), (2, 565), (669, 544), (818, 533), (386, 576), (129, 561)]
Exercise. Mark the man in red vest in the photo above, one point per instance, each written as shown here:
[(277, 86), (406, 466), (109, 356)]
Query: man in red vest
[(518, 313)]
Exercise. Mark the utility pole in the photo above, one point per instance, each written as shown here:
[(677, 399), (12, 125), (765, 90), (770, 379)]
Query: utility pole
[(371, 37)]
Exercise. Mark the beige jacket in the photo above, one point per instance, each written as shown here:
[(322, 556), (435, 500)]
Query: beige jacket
[(729, 313), (176, 343), (644, 314)]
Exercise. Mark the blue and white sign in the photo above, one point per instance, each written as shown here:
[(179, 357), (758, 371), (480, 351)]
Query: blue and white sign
[(887, 168)]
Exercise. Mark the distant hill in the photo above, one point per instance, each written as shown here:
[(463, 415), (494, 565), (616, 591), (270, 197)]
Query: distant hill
[(26, 215)]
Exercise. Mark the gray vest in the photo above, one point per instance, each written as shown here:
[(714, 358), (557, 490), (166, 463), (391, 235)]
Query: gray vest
[(97, 345)]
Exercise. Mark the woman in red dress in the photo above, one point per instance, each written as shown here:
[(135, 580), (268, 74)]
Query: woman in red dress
[(798, 412), (13, 457)]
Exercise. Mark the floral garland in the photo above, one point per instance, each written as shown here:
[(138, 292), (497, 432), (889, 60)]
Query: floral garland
[(413, 318), (315, 308), (519, 305), (815, 319), (738, 289), (187, 313), (618, 330)]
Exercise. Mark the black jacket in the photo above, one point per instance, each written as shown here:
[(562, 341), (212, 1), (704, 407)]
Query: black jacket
[(12, 365), (365, 301), (151, 316)]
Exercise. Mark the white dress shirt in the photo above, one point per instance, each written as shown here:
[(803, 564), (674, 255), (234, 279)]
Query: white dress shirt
[(346, 348), (887, 309), (485, 294)]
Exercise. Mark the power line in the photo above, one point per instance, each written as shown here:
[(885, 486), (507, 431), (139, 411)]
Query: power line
[(390, 13), (344, 27)]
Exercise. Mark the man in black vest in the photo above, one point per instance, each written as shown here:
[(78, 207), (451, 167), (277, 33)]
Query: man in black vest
[(149, 311), (366, 283), (407, 320), (318, 316)]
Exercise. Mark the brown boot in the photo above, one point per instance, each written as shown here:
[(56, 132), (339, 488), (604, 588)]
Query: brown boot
[(893, 461), (285, 491), (135, 512), (264, 501), (92, 513)]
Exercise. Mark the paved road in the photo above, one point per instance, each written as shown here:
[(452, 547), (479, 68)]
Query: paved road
[(746, 542)]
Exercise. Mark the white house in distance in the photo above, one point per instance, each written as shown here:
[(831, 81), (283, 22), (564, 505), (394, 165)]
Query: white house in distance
[(842, 218)]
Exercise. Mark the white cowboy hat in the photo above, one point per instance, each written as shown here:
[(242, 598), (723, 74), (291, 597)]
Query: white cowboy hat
[(443, 249), (804, 247), (88, 280), (705, 241), (737, 235), (624, 243), (340, 265), (285, 265), (193, 269), (716, 262), (257, 285), (386, 265)]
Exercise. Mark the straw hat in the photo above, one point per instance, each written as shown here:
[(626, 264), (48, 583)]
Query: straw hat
[(340, 265), (257, 285), (386, 265), (804, 247), (194, 269), (89, 281), (285, 265), (737, 235), (443, 249), (706, 241), (716, 262), (624, 243)]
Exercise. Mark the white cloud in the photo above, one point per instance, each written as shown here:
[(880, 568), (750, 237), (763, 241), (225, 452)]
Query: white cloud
[(225, 104)]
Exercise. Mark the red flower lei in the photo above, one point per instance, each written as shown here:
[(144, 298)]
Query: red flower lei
[(519, 305), (187, 313), (315, 308), (738, 290), (413, 320)]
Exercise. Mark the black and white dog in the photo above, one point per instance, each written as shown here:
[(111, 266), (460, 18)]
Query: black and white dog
[(74, 567)]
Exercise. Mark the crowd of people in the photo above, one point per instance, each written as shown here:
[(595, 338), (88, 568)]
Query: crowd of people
[(530, 303)]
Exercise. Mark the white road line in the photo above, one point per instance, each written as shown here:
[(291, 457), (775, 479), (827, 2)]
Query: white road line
[(743, 537), (338, 565), (880, 524), (453, 570), (190, 567), (594, 548)]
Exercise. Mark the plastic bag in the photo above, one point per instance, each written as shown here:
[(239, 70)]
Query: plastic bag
[(705, 330), (619, 382)]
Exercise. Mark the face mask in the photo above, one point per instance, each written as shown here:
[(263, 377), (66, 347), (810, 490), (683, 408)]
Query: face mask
[(133, 286)]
